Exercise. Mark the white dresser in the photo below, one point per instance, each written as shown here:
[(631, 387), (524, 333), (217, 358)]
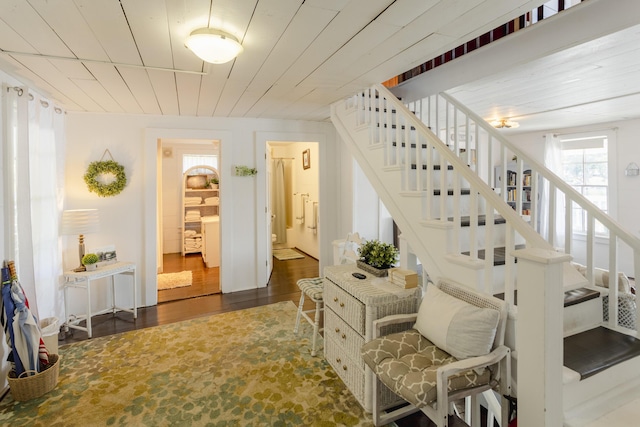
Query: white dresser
[(351, 306)]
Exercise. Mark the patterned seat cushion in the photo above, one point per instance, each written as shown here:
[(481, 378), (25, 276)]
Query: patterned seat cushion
[(407, 362), (312, 287)]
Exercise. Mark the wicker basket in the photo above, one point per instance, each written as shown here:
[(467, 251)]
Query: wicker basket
[(27, 388), (378, 272)]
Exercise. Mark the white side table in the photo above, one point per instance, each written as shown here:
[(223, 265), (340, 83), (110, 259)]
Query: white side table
[(83, 279)]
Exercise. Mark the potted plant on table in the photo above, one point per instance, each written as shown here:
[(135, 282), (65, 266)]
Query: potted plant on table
[(90, 261), (376, 257), (213, 183)]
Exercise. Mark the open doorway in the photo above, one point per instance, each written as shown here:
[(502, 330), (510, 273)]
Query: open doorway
[(189, 219), (293, 200)]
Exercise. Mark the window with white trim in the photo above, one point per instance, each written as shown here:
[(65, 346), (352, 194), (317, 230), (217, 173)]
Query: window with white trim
[(190, 160), (585, 166)]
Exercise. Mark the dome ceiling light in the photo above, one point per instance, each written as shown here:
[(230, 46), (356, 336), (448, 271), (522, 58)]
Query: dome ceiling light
[(214, 46), (504, 124)]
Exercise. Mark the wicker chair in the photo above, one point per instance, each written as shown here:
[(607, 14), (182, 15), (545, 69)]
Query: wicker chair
[(423, 373), (313, 288)]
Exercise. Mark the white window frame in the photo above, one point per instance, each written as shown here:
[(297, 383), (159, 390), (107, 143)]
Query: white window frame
[(612, 196)]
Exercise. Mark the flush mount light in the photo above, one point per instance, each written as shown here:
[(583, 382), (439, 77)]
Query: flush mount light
[(504, 124), (214, 46)]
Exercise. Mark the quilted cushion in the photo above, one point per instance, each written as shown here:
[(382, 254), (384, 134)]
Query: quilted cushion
[(407, 362), (459, 328), (312, 287)]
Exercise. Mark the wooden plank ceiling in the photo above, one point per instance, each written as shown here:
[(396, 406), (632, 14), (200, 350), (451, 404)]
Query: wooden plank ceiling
[(299, 56)]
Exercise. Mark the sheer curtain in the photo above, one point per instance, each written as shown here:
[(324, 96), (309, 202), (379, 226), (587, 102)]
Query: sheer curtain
[(34, 153), (552, 224)]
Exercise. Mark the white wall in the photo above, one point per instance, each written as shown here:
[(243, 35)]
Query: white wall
[(128, 220), (625, 191)]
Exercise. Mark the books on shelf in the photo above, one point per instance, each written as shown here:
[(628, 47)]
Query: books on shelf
[(406, 279)]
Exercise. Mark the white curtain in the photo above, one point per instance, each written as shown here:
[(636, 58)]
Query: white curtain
[(278, 202), (34, 152), (552, 230)]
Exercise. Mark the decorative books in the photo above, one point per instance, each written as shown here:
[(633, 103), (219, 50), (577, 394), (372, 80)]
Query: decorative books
[(406, 279)]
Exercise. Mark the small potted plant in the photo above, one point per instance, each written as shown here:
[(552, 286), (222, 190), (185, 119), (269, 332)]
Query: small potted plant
[(90, 261), (213, 183), (377, 257)]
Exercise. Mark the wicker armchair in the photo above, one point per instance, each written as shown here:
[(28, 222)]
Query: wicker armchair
[(427, 375)]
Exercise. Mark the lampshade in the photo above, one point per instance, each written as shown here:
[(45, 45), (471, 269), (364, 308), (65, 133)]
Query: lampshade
[(80, 221), (214, 46)]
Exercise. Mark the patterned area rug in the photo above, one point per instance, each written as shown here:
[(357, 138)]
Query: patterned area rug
[(174, 280), (243, 368), (286, 254)]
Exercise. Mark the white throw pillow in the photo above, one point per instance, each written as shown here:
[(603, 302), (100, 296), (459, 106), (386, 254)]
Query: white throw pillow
[(457, 327)]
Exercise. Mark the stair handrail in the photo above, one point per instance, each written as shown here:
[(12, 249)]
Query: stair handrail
[(558, 183), (532, 238)]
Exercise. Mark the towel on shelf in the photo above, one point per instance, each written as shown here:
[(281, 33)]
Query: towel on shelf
[(190, 232), (192, 201), (299, 207), (192, 216), (311, 215), (212, 201)]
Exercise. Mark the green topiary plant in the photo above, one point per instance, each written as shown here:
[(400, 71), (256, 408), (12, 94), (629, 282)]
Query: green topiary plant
[(89, 259), (378, 254)]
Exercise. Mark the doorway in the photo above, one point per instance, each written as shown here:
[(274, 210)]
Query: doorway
[(187, 274), (292, 199)]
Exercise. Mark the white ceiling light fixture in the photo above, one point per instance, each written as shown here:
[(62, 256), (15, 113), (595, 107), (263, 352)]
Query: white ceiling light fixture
[(504, 124), (214, 46)]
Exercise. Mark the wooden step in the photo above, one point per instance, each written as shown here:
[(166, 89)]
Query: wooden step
[(598, 349), (450, 192), (465, 221), (572, 297), (499, 254), (435, 167)]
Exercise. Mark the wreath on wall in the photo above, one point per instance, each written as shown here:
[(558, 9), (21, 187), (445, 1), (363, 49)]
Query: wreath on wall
[(106, 178)]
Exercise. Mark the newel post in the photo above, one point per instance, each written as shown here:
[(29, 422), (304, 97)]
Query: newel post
[(539, 337)]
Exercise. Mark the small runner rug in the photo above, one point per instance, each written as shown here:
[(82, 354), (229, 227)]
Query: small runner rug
[(241, 368), (174, 280), (286, 254)]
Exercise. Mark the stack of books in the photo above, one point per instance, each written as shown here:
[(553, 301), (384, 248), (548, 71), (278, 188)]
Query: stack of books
[(406, 279)]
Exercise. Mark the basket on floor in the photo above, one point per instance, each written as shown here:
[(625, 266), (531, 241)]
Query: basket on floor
[(29, 387)]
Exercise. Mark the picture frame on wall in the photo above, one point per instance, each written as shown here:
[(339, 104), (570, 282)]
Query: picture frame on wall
[(306, 159)]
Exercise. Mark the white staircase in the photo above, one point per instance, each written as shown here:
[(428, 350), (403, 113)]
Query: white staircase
[(443, 198)]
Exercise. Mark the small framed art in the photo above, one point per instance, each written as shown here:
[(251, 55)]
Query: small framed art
[(306, 159)]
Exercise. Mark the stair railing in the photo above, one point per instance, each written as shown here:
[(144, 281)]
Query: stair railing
[(473, 136), (423, 160)]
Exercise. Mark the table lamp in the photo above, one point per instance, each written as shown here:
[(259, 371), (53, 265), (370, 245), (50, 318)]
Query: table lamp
[(80, 222)]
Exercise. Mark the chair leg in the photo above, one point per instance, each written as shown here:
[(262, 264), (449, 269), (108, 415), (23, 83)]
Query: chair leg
[(316, 327), (295, 329)]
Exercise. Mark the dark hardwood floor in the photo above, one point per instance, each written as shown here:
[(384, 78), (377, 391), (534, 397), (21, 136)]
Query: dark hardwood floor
[(281, 287), (205, 281)]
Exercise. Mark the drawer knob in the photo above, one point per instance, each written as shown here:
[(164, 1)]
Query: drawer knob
[(344, 367), (338, 360), (344, 336), (337, 330), (341, 304), (335, 299)]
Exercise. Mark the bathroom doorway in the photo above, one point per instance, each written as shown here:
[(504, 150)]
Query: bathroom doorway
[(292, 200), (187, 274)]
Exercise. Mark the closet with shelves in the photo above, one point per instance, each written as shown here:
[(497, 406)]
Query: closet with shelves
[(200, 203)]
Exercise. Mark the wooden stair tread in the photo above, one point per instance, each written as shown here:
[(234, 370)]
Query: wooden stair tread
[(465, 221), (499, 254), (450, 192), (595, 350), (435, 167), (572, 297)]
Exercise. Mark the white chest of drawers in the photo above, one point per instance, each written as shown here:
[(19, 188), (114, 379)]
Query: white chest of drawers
[(351, 306)]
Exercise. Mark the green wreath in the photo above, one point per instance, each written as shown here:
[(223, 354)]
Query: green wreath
[(96, 169)]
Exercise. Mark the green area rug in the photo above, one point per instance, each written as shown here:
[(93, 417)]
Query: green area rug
[(243, 368)]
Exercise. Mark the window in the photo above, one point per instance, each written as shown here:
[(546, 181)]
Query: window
[(190, 160), (585, 166)]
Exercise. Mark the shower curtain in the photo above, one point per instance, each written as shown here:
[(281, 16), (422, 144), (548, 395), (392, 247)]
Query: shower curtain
[(279, 227)]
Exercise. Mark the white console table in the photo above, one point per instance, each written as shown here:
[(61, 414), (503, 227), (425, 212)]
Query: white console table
[(83, 280)]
